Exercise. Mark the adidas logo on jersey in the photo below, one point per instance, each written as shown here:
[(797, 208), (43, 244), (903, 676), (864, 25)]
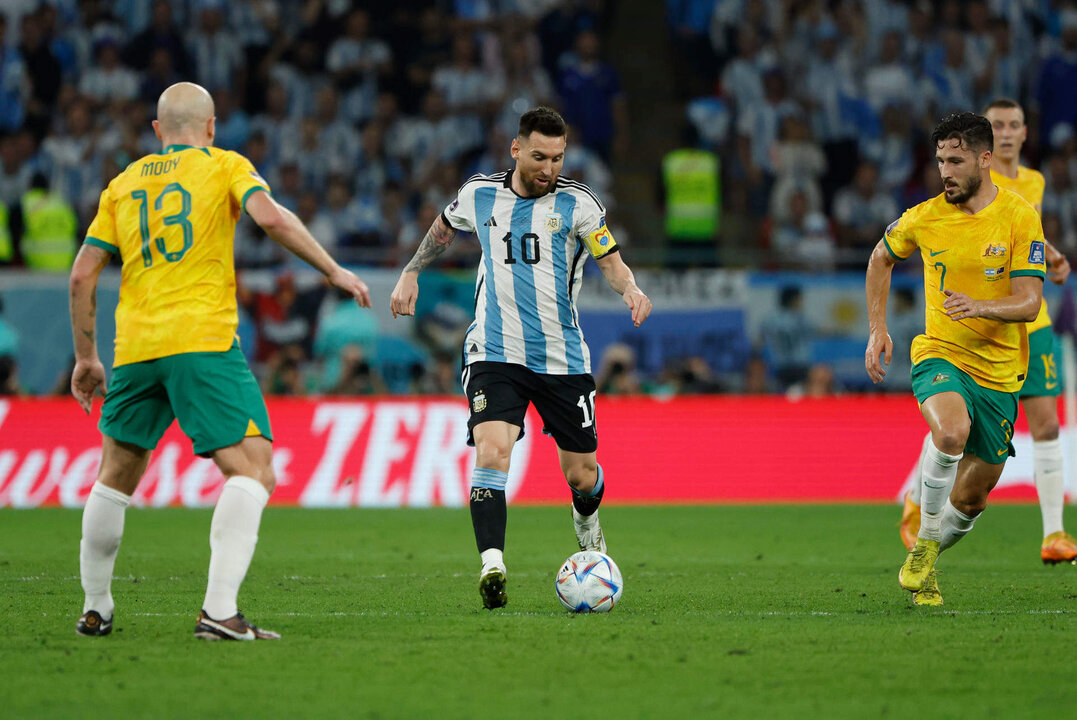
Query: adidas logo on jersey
[(491, 222)]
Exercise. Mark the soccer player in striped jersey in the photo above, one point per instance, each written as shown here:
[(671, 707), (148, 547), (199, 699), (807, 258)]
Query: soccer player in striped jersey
[(171, 217), (983, 253), (1039, 394), (525, 345)]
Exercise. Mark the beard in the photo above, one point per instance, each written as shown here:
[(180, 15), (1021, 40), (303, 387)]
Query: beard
[(965, 193), (534, 189)]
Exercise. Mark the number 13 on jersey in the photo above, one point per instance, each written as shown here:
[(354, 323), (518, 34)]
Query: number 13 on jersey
[(180, 218)]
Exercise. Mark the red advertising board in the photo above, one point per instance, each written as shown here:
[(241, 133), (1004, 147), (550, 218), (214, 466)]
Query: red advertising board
[(391, 452)]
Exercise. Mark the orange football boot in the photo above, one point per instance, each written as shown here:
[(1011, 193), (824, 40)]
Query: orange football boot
[(910, 522), (1059, 547)]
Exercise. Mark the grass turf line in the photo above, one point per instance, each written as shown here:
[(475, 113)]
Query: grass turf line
[(791, 611)]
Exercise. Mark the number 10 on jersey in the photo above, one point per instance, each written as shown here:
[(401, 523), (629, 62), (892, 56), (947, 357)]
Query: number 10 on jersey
[(529, 248)]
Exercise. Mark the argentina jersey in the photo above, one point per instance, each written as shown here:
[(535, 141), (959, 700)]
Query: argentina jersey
[(529, 275)]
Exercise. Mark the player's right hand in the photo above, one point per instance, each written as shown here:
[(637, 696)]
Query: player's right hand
[(349, 282), (406, 292), (87, 378), (879, 343)]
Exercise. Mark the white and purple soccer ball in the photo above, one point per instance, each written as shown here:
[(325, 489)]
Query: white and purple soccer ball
[(589, 581)]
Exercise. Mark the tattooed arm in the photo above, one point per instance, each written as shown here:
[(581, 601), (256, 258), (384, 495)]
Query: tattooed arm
[(437, 240), (89, 373)]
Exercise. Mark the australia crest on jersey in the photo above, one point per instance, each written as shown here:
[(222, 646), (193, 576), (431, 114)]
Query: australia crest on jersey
[(553, 222)]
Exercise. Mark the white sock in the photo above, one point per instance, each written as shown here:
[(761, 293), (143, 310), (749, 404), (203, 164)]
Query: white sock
[(917, 487), (939, 470), (1050, 483), (955, 525), (492, 558), (232, 537), (102, 530)]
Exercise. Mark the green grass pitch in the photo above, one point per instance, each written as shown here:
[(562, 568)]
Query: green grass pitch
[(728, 612)]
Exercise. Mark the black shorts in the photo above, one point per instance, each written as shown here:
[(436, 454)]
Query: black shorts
[(502, 391)]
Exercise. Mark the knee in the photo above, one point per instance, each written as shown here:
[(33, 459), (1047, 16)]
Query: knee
[(1047, 430), (493, 454), (267, 477), (969, 506), (951, 438), (582, 476)]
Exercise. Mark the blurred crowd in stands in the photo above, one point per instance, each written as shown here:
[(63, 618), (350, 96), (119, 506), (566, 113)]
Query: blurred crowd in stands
[(363, 116), (820, 110), (805, 126)]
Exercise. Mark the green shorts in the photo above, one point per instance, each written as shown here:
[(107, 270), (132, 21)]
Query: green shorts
[(213, 395), (992, 412), (1043, 356)]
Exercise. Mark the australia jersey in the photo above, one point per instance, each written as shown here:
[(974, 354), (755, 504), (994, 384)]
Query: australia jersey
[(529, 277), (1028, 184), (977, 255), (172, 219)]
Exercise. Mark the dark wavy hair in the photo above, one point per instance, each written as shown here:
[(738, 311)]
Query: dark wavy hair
[(544, 120), (974, 131)]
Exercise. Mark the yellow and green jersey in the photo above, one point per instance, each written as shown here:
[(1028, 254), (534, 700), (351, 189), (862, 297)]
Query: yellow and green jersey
[(1028, 184), (976, 255), (172, 218)]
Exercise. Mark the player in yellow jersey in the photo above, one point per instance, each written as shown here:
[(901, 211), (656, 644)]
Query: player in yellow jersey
[(983, 253), (171, 218), (1039, 394)]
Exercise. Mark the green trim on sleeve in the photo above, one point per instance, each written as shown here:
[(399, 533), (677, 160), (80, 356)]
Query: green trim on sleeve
[(1029, 273), (99, 243), (247, 194), (891, 251)]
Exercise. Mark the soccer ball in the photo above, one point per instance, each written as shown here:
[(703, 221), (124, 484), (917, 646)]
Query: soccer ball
[(589, 582)]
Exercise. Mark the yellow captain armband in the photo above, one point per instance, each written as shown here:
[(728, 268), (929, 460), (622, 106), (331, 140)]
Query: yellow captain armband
[(600, 242)]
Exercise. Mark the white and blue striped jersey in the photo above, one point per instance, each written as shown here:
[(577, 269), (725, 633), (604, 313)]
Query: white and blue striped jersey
[(529, 276)]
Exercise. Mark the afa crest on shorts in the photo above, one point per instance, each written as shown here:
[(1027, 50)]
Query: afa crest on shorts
[(478, 403)]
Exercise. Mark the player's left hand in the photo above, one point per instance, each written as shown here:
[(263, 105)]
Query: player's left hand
[(638, 303), (87, 378), (960, 306), (349, 282)]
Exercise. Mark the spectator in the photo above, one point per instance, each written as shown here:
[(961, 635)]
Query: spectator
[(889, 80), (9, 376), (285, 318), (14, 85), (1058, 77), (801, 237), (346, 325), (9, 338), (950, 86), (160, 74), (893, 153), (819, 383), (108, 80), (692, 202), (357, 375), (785, 336), (69, 157), (161, 36), (49, 224), (757, 129), (592, 100), (798, 161), (757, 380), (218, 59), (358, 63), (617, 371), (44, 72), (864, 209), (15, 171)]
